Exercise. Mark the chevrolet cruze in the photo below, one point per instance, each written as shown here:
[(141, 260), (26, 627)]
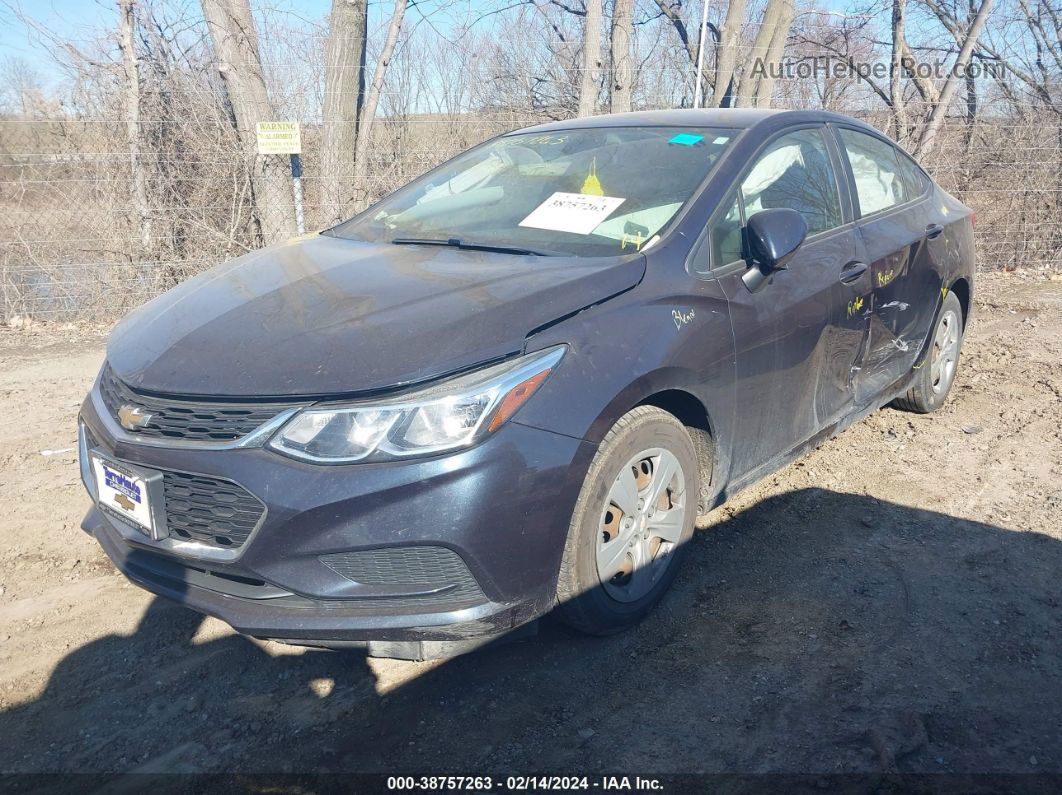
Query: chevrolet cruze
[(512, 386)]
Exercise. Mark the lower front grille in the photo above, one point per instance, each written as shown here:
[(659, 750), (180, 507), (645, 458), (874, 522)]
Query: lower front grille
[(169, 571), (428, 574), (209, 510)]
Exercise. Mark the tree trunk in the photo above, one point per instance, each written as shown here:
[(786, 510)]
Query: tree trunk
[(343, 99), (372, 98), (726, 54), (622, 58), (236, 49), (929, 132), (784, 13), (899, 110), (966, 174), (141, 215), (757, 84), (926, 90), (591, 77)]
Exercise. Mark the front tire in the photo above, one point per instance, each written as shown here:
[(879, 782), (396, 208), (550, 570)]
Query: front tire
[(933, 379), (631, 523)]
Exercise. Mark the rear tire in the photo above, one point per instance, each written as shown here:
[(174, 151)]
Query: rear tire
[(934, 377), (633, 518)]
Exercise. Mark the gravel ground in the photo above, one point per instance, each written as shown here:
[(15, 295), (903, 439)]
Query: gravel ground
[(890, 602)]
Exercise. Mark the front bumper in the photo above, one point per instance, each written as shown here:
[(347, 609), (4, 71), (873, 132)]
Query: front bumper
[(494, 517)]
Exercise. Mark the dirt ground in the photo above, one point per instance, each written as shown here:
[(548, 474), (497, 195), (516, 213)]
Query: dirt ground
[(891, 602)]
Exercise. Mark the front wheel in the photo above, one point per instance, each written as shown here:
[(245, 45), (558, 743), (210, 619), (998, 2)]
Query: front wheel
[(933, 379), (632, 520)]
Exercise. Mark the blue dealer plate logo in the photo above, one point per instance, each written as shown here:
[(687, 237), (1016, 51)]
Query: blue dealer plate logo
[(121, 484)]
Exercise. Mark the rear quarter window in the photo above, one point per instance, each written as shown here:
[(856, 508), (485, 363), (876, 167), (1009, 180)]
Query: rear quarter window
[(916, 183)]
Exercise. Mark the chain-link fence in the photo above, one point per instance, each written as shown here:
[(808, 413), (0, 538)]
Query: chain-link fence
[(77, 241)]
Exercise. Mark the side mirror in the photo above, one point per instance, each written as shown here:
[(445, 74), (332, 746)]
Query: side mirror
[(773, 238)]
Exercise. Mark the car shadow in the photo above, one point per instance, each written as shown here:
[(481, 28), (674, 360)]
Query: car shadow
[(814, 632)]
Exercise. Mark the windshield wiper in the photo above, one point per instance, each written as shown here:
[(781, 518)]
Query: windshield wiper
[(454, 242)]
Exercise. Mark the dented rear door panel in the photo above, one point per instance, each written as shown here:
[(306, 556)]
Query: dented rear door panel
[(905, 283)]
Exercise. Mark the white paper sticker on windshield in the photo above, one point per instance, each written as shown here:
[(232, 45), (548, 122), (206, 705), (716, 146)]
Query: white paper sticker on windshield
[(577, 213)]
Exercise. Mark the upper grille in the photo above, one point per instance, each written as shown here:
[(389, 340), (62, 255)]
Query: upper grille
[(190, 420), (209, 510)]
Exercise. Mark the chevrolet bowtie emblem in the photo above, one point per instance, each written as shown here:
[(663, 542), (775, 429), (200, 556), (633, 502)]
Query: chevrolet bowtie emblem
[(124, 502), (133, 418)]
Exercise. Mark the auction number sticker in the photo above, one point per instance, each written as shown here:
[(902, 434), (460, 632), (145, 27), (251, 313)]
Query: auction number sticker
[(578, 213)]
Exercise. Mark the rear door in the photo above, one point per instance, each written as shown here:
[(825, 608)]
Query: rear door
[(797, 341), (897, 227)]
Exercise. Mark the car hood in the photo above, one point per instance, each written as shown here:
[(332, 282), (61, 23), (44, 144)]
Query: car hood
[(325, 315)]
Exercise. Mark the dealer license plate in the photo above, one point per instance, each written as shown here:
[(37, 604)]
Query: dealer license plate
[(123, 493)]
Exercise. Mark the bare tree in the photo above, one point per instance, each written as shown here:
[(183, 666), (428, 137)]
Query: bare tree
[(670, 11), (137, 180), (757, 84), (22, 90), (590, 80), (929, 132), (851, 42), (236, 48), (726, 53), (926, 90), (621, 56), (824, 35), (343, 100), (899, 110), (786, 14), (372, 98)]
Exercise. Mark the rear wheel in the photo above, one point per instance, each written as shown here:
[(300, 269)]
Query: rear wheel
[(634, 515), (933, 379)]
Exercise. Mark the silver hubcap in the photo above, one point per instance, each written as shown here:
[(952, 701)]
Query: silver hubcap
[(641, 524), (945, 352)]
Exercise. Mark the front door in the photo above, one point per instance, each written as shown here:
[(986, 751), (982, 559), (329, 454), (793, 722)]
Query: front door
[(799, 339)]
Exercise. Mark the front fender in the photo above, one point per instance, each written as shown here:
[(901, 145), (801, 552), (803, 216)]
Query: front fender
[(625, 351)]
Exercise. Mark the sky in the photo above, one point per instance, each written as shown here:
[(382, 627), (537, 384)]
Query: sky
[(76, 21)]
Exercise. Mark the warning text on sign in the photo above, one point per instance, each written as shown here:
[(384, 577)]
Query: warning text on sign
[(279, 138)]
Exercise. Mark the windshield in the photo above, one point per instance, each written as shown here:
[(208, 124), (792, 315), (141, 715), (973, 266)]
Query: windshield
[(590, 192)]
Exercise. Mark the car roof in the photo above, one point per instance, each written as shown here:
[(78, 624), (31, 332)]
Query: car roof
[(735, 118)]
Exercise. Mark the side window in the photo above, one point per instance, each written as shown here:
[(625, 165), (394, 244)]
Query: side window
[(915, 180), (795, 172), (876, 170), (725, 235)]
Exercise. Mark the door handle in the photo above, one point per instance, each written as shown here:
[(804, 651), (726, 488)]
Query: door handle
[(853, 271), (934, 230)]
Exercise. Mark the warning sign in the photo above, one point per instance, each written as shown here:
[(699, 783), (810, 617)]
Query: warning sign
[(279, 138)]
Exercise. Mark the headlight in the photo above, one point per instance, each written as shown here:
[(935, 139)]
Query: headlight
[(446, 416)]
